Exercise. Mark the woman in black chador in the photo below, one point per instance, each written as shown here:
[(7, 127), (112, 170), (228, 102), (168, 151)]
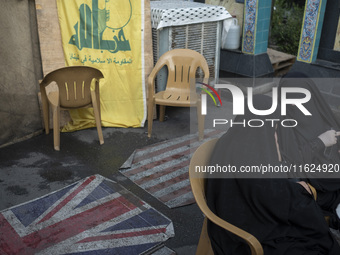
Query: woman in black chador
[(280, 212), (313, 141)]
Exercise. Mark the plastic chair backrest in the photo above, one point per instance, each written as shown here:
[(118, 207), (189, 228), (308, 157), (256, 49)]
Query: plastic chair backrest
[(74, 84), (201, 158), (182, 66)]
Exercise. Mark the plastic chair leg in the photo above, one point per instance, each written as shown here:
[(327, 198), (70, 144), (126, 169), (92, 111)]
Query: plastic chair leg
[(150, 116), (96, 111), (98, 124), (161, 113), (56, 128), (200, 120), (98, 103), (204, 246), (46, 112)]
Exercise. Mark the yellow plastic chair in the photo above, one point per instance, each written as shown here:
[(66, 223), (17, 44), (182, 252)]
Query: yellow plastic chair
[(182, 65), (197, 180), (74, 91)]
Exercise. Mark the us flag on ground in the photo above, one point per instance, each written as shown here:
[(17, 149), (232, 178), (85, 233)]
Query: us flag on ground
[(92, 216), (162, 169)]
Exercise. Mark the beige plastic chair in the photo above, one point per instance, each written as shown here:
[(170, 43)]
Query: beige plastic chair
[(74, 91), (197, 180), (182, 65)]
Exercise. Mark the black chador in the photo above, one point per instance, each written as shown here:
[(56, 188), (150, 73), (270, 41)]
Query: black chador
[(313, 143), (279, 212)]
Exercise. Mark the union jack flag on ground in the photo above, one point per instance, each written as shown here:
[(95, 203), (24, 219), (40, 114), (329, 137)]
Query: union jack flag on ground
[(91, 216)]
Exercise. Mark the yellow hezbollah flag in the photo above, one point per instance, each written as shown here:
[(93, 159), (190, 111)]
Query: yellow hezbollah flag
[(107, 34)]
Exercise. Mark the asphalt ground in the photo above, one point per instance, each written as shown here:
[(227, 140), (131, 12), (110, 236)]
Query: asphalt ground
[(32, 168)]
